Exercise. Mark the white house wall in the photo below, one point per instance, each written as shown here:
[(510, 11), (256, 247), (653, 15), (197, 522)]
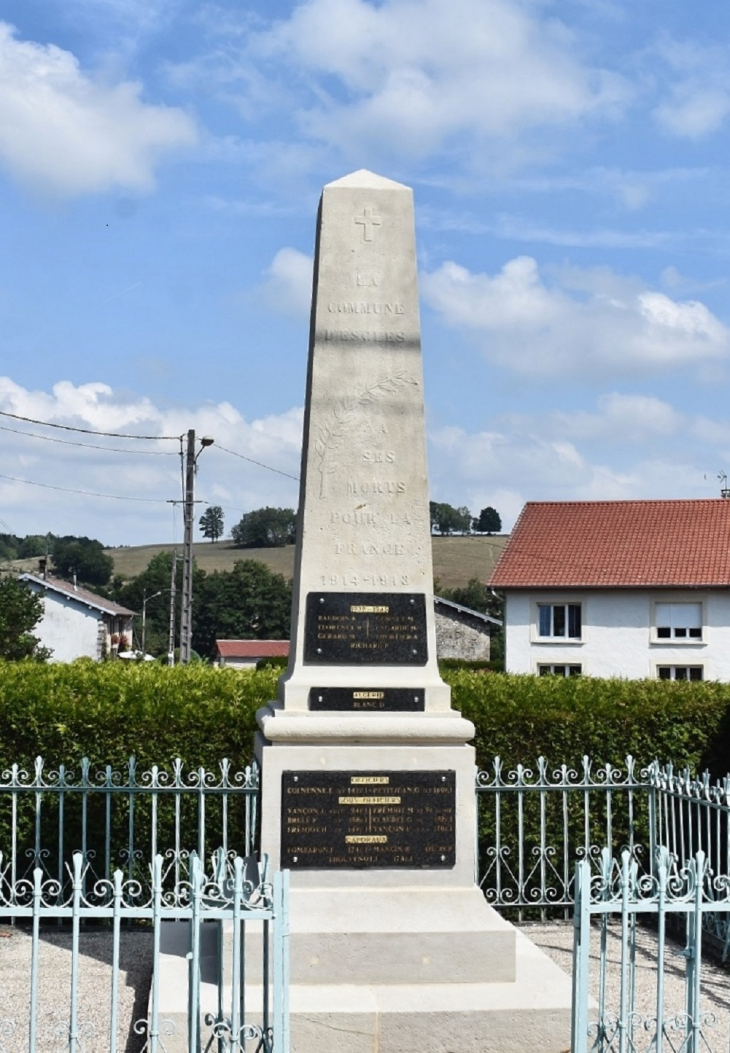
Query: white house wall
[(616, 634), (69, 630)]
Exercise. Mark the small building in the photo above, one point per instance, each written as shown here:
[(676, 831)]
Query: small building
[(462, 632), (244, 654), (77, 623), (630, 589)]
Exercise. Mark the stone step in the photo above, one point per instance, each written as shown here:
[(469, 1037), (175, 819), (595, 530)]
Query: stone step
[(398, 936), (532, 1012)]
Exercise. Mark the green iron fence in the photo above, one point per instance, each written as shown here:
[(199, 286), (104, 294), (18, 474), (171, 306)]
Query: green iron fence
[(122, 818), (534, 822)]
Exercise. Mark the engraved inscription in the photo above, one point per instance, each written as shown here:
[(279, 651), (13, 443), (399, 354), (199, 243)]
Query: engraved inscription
[(368, 819), (350, 628), (368, 221), (367, 281), (378, 456), (358, 518), (360, 336), (370, 548), (362, 700), (363, 307), (375, 487), (329, 438), (353, 581)]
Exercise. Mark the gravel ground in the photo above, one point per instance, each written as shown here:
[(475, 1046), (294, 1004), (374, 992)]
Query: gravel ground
[(54, 986), (555, 938)]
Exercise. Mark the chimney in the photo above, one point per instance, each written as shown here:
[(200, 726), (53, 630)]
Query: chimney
[(42, 565), (76, 588)]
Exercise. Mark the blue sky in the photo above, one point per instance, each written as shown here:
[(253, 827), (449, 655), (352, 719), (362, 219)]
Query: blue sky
[(160, 166)]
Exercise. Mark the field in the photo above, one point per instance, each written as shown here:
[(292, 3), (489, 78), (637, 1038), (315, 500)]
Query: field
[(455, 559)]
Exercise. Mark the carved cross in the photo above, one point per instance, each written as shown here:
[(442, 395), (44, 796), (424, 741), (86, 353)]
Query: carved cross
[(367, 220)]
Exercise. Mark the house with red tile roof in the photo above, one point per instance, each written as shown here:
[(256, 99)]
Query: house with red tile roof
[(244, 654), (618, 588)]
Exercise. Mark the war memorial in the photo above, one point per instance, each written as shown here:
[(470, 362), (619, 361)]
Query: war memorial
[(367, 772)]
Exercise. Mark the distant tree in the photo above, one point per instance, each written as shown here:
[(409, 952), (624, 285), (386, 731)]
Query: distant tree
[(9, 546), (249, 602), (445, 519), (35, 545), (266, 528), (211, 522), (84, 557), (20, 612), (489, 521)]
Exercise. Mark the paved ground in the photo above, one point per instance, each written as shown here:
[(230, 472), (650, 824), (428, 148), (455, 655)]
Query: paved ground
[(136, 962)]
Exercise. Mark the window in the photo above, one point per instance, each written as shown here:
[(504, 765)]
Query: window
[(678, 621), (558, 670), (679, 672), (561, 620)]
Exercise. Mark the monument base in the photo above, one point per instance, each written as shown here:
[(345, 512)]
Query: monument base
[(403, 958), (530, 1012)]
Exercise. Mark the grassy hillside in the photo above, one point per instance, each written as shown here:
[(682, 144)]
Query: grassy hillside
[(455, 559)]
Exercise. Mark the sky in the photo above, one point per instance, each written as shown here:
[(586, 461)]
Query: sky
[(160, 167)]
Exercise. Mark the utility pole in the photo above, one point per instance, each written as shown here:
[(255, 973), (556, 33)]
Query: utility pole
[(187, 575), (186, 615), (173, 591)]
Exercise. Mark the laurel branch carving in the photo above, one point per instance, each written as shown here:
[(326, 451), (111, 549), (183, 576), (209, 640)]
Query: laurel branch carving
[(331, 434)]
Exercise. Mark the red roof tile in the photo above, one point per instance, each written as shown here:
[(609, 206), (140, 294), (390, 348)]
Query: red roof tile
[(607, 544), (252, 648)]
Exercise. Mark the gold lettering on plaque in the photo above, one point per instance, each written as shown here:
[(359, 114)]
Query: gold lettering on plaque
[(363, 608), (369, 800), (366, 839), (369, 780)]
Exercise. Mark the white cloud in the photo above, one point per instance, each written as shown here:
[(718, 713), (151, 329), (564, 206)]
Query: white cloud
[(585, 322), (147, 470), (410, 77), (628, 447), (697, 99), (622, 419), (62, 132), (287, 285)]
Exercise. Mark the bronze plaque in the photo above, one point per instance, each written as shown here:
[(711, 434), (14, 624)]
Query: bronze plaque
[(365, 628), (368, 699), (359, 819)]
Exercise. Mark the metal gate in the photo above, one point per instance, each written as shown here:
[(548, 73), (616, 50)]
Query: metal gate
[(228, 900), (645, 1017)]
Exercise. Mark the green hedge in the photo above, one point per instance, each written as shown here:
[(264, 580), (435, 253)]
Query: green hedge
[(201, 713), (111, 710), (562, 718)]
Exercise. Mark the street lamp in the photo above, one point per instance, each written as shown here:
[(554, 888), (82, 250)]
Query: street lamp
[(145, 600), (186, 626)]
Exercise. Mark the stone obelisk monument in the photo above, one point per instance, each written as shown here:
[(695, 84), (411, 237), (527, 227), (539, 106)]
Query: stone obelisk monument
[(367, 772)]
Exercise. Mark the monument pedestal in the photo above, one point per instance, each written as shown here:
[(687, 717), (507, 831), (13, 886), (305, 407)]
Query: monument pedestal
[(396, 960)]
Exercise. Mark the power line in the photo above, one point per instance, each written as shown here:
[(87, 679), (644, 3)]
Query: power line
[(90, 431), (259, 463), (88, 445), (86, 493)]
